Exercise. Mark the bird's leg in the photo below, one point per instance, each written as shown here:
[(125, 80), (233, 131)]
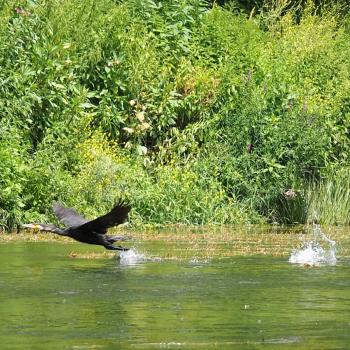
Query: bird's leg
[(112, 247)]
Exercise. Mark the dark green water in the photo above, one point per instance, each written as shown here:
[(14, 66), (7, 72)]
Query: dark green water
[(50, 301)]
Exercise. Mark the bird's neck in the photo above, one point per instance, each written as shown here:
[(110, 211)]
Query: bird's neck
[(59, 231)]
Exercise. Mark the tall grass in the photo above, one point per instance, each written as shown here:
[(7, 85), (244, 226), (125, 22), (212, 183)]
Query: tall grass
[(329, 199)]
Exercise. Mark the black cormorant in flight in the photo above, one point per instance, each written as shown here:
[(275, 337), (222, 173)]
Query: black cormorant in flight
[(82, 230)]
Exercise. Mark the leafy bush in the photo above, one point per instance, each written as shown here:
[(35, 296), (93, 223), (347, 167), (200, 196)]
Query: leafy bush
[(197, 114), (158, 194), (12, 176)]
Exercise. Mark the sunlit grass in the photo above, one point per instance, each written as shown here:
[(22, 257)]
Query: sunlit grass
[(31, 236), (212, 243), (329, 200), (201, 243)]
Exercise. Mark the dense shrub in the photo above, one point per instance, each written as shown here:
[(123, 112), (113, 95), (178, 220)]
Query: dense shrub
[(197, 114), (12, 176)]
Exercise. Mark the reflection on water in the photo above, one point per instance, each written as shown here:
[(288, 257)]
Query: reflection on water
[(52, 301)]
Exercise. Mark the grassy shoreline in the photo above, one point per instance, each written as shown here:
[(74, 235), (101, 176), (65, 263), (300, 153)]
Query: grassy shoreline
[(202, 242)]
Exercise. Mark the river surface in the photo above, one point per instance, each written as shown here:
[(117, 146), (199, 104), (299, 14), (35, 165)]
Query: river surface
[(52, 296)]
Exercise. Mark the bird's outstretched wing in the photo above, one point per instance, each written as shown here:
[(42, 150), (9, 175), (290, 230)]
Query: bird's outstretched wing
[(115, 217), (68, 215)]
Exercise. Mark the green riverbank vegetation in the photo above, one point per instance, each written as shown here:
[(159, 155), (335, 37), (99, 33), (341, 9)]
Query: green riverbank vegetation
[(197, 113)]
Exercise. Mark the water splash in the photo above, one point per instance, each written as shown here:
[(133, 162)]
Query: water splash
[(320, 251), (199, 261), (133, 257)]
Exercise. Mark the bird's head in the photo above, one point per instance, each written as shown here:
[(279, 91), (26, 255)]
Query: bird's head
[(36, 227)]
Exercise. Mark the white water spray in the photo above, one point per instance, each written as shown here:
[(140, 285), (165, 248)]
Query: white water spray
[(320, 251), (133, 257)]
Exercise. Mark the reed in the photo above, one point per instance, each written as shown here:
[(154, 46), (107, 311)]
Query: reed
[(329, 199)]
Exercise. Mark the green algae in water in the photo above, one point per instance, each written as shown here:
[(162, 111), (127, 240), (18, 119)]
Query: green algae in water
[(52, 301)]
